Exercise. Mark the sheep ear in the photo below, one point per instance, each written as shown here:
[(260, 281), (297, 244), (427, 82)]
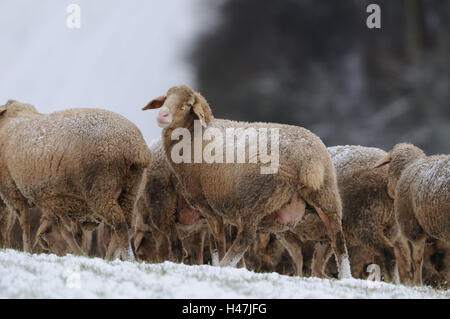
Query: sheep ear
[(198, 110), (384, 161), (138, 241), (43, 229), (2, 112), (155, 103)]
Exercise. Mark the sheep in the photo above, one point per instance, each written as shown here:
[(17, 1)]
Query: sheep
[(249, 195), (368, 220), (420, 186), (84, 165), (166, 227)]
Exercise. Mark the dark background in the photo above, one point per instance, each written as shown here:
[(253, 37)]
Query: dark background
[(316, 64)]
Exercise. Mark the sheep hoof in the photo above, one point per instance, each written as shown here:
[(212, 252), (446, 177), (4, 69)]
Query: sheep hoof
[(215, 258)]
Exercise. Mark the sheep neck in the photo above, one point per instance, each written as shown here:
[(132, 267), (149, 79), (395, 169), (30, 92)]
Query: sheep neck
[(169, 143)]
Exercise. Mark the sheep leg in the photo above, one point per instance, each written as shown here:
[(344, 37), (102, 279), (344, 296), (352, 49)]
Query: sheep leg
[(67, 235), (322, 252), (23, 214), (246, 235), (403, 259), (163, 243), (293, 245), (383, 250), (115, 211), (3, 222), (111, 249), (241, 263), (121, 211), (10, 221), (101, 240), (418, 248), (213, 250), (217, 228), (26, 230), (429, 273), (333, 226), (201, 247), (116, 220), (390, 265), (86, 241), (17, 204), (176, 244)]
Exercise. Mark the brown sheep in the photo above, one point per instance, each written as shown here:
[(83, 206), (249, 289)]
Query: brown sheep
[(166, 227), (420, 186), (368, 211), (368, 220), (82, 164), (245, 195)]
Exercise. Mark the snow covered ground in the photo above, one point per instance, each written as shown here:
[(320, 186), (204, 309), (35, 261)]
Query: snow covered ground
[(48, 276)]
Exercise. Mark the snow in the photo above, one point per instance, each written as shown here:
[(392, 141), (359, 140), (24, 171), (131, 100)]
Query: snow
[(47, 276)]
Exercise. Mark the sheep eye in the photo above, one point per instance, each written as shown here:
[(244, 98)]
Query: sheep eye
[(186, 107)]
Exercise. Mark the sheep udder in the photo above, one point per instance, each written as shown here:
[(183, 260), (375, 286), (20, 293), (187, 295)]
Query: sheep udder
[(291, 213)]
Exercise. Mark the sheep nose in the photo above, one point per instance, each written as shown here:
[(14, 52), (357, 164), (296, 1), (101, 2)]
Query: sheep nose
[(164, 114)]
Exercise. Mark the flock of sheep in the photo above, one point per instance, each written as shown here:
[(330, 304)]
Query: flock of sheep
[(83, 181)]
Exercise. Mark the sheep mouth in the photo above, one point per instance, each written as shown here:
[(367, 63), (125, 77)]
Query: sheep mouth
[(162, 123)]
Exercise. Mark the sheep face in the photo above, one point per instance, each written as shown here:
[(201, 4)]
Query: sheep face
[(50, 239), (398, 159), (180, 107), (145, 246)]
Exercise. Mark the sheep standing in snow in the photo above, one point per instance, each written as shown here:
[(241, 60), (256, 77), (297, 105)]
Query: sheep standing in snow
[(368, 217), (84, 165), (239, 193), (420, 186), (368, 211), (166, 227)]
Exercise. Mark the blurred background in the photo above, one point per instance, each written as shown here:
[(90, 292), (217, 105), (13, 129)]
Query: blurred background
[(310, 63)]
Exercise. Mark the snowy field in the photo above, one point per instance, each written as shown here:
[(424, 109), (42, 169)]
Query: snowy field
[(48, 276)]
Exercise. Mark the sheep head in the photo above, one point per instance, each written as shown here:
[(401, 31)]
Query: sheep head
[(14, 108), (398, 159), (50, 239), (180, 107)]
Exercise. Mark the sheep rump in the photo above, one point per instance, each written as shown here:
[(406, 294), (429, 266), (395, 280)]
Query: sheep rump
[(82, 164)]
